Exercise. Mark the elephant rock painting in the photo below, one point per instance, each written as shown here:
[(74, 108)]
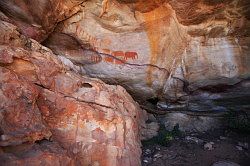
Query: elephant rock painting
[(132, 55), (118, 57)]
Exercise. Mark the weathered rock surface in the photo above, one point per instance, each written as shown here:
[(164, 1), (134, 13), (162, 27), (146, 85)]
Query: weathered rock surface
[(42, 99), (191, 123), (46, 153), (21, 120), (225, 163), (169, 50), (176, 55), (150, 130), (36, 19), (98, 129)]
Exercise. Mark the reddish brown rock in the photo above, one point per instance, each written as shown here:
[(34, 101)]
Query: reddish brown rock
[(36, 19), (21, 120), (6, 56), (95, 122), (45, 153), (97, 129), (191, 53), (67, 46), (179, 48)]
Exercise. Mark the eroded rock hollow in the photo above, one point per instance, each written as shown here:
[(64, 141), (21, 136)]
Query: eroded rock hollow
[(68, 68)]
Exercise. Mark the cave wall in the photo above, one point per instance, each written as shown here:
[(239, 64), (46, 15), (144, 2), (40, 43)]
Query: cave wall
[(51, 115), (170, 50), (188, 55)]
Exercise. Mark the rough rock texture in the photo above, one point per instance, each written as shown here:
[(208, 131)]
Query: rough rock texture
[(36, 19), (189, 123), (225, 163), (170, 50), (21, 119), (175, 54), (46, 153), (98, 129), (94, 123)]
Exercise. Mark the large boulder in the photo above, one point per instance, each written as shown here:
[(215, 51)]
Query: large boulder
[(96, 123)]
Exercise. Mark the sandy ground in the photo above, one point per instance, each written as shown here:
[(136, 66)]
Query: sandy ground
[(188, 149)]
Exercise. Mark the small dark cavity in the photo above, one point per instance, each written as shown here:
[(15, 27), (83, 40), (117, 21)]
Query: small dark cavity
[(42, 141), (217, 88), (86, 85), (153, 100), (1, 131)]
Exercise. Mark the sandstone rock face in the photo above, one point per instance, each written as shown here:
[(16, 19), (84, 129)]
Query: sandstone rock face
[(171, 50), (36, 19), (21, 119), (46, 153), (189, 123), (125, 42), (88, 121), (176, 55), (98, 130)]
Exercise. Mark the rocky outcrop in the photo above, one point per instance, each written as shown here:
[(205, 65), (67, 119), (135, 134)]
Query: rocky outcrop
[(170, 55), (42, 99), (21, 120), (170, 50), (36, 19), (44, 153)]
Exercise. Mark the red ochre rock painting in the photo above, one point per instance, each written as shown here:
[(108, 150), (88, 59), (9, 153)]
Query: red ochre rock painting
[(93, 41), (96, 59), (124, 56), (118, 53), (109, 59), (132, 55), (106, 51), (117, 57)]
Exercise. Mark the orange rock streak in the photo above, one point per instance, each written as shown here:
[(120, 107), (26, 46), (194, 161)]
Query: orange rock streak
[(154, 22)]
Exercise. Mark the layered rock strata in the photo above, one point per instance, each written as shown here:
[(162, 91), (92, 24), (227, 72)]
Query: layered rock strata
[(170, 50), (86, 121)]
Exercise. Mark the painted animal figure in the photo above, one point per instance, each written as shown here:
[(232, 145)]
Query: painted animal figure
[(120, 56), (106, 51), (109, 59), (96, 59), (132, 55), (119, 62)]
